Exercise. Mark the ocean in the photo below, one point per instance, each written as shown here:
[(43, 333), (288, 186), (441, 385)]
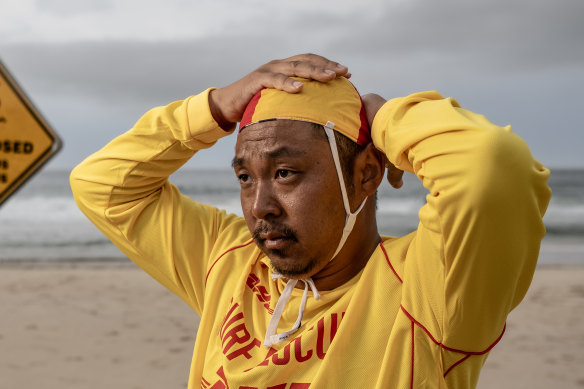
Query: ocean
[(41, 221)]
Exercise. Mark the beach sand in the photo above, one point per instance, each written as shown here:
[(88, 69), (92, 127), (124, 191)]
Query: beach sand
[(108, 325)]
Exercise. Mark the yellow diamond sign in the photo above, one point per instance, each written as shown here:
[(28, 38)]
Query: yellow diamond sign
[(26, 140)]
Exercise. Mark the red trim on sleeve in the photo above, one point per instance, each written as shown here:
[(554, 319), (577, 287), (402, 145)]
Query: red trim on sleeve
[(412, 364), (449, 348), (221, 256), (389, 263), (456, 364)]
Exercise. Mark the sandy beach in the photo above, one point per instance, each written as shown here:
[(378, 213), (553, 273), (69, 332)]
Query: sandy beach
[(108, 325)]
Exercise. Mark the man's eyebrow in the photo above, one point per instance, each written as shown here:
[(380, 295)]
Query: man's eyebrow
[(272, 154), (236, 162)]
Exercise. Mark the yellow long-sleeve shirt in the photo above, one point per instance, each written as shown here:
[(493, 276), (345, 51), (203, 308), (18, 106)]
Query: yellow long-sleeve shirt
[(423, 313)]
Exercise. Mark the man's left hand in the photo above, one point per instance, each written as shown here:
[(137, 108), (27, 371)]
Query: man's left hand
[(372, 104)]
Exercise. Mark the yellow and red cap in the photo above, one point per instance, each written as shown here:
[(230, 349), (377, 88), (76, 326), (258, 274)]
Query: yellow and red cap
[(336, 101)]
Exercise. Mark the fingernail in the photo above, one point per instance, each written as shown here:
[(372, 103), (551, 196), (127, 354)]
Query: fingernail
[(330, 72), (297, 84), (340, 66)]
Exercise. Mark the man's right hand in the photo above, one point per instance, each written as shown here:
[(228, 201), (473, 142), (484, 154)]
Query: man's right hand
[(227, 104)]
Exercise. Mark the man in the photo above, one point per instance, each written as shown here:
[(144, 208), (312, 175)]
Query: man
[(416, 311)]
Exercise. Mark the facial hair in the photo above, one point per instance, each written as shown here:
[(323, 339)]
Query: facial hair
[(292, 270)]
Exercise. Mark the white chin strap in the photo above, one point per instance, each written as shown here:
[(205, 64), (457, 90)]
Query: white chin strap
[(351, 217), (271, 336)]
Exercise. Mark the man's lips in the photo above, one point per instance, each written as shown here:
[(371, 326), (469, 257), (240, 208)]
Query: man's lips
[(274, 236), (275, 241)]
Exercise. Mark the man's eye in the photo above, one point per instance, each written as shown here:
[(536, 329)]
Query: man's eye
[(243, 178), (283, 173)]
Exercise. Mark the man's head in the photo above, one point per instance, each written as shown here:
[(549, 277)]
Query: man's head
[(290, 190)]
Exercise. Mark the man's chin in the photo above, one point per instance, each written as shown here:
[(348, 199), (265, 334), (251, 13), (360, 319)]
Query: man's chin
[(291, 268), (287, 263)]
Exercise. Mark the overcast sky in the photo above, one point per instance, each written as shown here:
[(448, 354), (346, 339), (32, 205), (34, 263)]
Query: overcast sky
[(93, 67)]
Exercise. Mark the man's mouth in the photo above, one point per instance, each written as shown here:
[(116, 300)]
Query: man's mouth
[(274, 237), (275, 241)]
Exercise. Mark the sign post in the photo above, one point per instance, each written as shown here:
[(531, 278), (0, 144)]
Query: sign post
[(26, 140)]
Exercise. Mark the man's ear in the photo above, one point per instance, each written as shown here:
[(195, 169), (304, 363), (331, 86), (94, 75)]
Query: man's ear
[(369, 171)]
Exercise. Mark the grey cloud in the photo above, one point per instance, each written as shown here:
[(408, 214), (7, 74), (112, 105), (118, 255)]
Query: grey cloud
[(517, 62), (117, 71), (495, 36), (134, 74), (73, 7), (451, 39), (91, 92)]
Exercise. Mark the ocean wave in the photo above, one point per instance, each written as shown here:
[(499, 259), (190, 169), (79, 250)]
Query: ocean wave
[(52, 243), (575, 231), (565, 212), (40, 209), (63, 208), (401, 206)]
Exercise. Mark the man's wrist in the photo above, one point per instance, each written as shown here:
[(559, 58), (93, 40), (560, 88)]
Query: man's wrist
[(217, 114)]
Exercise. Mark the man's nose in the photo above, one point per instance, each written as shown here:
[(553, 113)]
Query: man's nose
[(265, 203)]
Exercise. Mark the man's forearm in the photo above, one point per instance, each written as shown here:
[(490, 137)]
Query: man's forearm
[(481, 227), (124, 190)]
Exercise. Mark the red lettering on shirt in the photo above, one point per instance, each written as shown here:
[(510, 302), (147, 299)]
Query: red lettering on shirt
[(285, 358), (219, 385), (334, 326), (320, 339), (298, 351), (245, 350), (238, 334), (266, 360), (235, 318), (263, 294), (222, 328), (253, 282), (222, 383), (293, 385), (282, 357), (235, 335)]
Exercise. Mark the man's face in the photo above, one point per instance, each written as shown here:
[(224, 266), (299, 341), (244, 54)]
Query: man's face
[(290, 195)]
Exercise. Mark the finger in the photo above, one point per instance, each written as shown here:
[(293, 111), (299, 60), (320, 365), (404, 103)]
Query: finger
[(230, 102), (398, 184), (307, 66), (321, 61), (372, 103), (279, 81), (306, 70), (395, 179), (394, 175)]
